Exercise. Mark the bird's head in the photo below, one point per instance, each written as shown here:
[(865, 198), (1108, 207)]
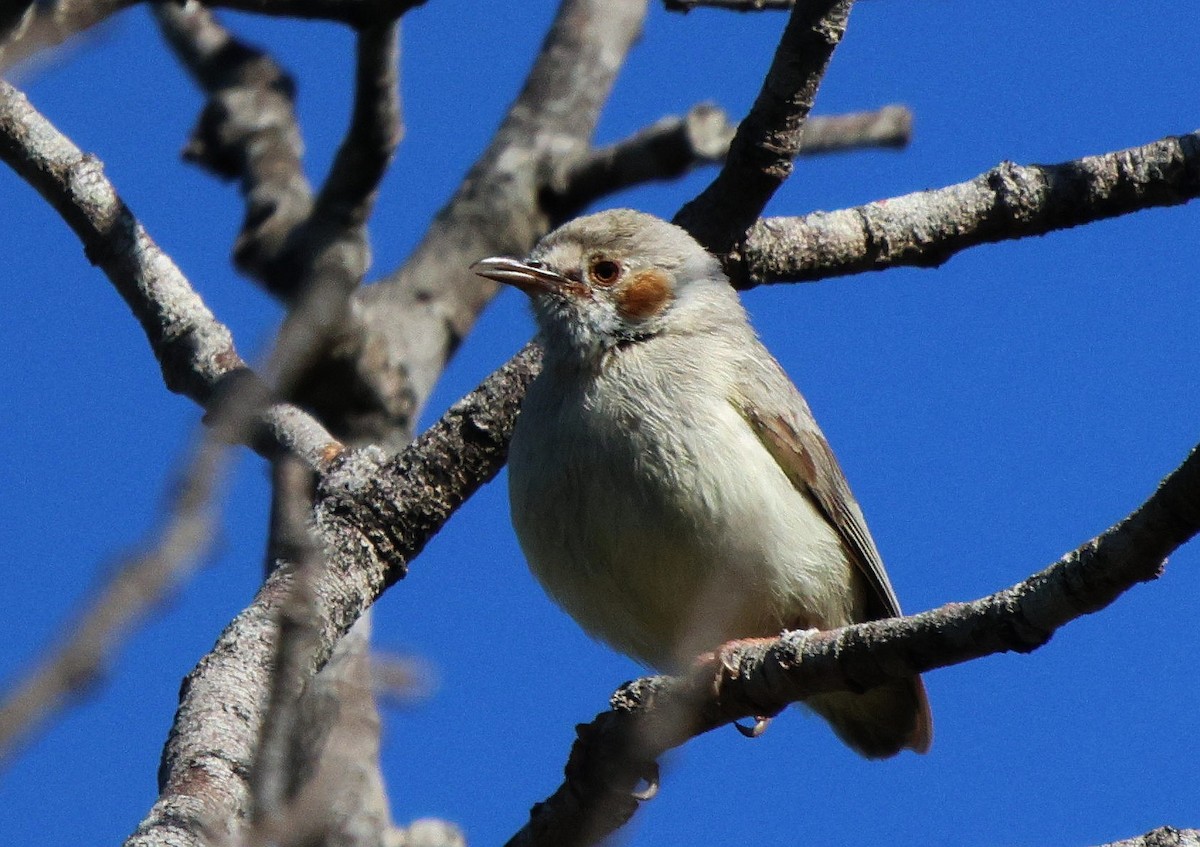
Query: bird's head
[(616, 278)]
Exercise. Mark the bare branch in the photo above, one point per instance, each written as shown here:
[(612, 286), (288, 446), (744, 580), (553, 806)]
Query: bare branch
[(1010, 201), (686, 6), (348, 194), (194, 350), (673, 146), (247, 131), (761, 153), (114, 611), (274, 779), (374, 515), (762, 676)]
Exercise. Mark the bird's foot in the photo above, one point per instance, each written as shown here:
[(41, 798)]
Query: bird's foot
[(756, 729), (650, 777)]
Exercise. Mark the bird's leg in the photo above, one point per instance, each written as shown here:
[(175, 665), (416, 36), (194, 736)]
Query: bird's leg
[(724, 660)]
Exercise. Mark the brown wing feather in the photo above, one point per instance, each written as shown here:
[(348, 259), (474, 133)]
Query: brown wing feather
[(804, 455)]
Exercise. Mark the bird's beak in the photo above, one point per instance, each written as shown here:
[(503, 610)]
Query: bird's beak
[(530, 279)]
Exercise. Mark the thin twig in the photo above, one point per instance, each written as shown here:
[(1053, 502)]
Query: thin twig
[(768, 138), (675, 145)]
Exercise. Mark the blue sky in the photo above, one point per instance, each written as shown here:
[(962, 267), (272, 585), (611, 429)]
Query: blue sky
[(990, 415)]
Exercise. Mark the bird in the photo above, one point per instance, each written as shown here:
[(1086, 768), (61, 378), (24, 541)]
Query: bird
[(668, 484)]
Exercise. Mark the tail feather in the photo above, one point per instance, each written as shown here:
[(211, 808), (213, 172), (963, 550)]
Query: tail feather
[(881, 722)]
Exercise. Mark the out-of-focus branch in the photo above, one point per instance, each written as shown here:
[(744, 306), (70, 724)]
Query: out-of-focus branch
[(768, 138), (274, 778), (348, 195), (115, 609), (676, 145), (28, 27), (247, 132), (195, 351), (761, 677), (1010, 201)]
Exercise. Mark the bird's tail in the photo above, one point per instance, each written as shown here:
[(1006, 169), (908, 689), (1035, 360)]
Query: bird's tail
[(881, 722)]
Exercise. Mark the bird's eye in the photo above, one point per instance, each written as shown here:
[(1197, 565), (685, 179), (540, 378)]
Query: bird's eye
[(604, 271)]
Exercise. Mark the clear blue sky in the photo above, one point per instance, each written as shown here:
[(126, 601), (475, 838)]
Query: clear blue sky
[(990, 415)]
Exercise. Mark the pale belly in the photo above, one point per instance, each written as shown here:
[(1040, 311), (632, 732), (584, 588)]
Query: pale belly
[(667, 541)]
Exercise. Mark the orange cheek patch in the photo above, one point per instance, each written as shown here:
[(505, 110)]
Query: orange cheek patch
[(644, 295)]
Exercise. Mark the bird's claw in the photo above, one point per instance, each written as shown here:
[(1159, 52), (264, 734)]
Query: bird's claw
[(759, 727), (651, 778)]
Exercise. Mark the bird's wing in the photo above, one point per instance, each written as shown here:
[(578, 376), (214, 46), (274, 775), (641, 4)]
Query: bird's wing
[(791, 436)]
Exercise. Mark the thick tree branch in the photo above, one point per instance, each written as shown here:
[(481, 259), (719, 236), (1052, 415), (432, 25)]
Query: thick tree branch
[(374, 514), (1010, 201), (194, 350), (675, 145), (761, 677), (768, 138)]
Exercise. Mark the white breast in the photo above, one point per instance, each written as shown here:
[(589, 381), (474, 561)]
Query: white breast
[(658, 520)]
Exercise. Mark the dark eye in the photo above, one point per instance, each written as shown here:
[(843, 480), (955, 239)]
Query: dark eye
[(604, 271)]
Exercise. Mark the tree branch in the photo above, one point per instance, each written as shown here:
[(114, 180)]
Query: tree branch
[(675, 145), (194, 350), (248, 132), (1010, 201), (768, 138), (374, 515), (357, 13), (762, 676)]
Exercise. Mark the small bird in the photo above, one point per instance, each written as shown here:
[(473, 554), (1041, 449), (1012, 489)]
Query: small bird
[(669, 485)]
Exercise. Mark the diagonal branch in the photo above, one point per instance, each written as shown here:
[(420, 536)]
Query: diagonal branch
[(1010, 201), (768, 138), (761, 677), (675, 145), (411, 322), (194, 350), (373, 517), (248, 132)]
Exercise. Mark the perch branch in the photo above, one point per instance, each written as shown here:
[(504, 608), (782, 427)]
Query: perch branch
[(755, 678)]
